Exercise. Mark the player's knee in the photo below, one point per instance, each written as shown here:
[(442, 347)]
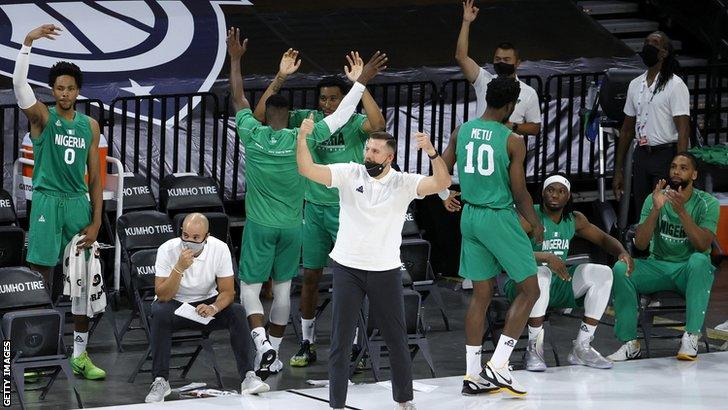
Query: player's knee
[(602, 276), (529, 289), (619, 272), (699, 261), (311, 277)]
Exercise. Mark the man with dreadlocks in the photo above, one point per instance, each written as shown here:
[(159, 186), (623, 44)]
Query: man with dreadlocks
[(657, 113)]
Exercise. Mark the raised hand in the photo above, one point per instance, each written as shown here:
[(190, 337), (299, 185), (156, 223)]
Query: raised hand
[(235, 48), (306, 127), (354, 66), (470, 12), (423, 142), (49, 31), (658, 195), (677, 199), (289, 62), (374, 66), (186, 257)]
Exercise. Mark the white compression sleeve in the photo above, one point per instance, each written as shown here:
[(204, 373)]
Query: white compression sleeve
[(346, 108), (250, 296), (544, 284), (281, 307), (594, 282), (23, 92)]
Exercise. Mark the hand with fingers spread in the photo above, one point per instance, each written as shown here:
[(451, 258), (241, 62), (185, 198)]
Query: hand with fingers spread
[(306, 127), (470, 12), (374, 66), (235, 48), (676, 199), (289, 63), (354, 66), (658, 195), (452, 204), (49, 31)]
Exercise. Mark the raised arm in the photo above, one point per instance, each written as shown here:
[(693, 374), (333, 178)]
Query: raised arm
[(440, 178), (36, 112), (375, 119), (467, 65), (236, 50), (646, 229), (288, 65), (306, 167), (700, 237), (524, 203)]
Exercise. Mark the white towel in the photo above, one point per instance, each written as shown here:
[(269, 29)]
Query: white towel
[(83, 280)]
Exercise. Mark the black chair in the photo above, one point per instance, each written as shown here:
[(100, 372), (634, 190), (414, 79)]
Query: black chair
[(12, 244), (410, 229), (138, 196), (34, 329), (189, 193), (415, 255), (8, 216)]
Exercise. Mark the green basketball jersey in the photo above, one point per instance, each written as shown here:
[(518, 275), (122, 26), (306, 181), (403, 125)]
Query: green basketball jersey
[(556, 236), (483, 161), (670, 242), (60, 153), (274, 188), (345, 145)]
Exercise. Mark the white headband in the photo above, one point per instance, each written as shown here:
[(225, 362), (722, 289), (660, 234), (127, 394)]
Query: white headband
[(557, 178)]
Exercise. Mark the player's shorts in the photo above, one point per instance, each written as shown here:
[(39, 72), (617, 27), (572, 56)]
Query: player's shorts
[(55, 218), (320, 226), (561, 292), (269, 253), (494, 241)]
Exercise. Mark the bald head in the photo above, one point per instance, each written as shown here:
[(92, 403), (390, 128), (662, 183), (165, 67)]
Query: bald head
[(195, 227)]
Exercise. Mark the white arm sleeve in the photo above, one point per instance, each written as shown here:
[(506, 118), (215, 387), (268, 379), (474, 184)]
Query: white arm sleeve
[(346, 108), (22, 89)]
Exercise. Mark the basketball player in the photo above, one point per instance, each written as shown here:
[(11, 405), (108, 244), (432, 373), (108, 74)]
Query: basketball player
[(321, 212), (274, 203), (65, 143), (586, 285), (490, 164)]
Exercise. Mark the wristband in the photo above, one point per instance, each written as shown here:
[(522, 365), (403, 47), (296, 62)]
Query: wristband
[(178, 271), (444, 194), (437, 154)]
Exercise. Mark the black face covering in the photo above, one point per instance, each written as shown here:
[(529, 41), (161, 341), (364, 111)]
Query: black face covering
[(649, 55), (504, 69), (374, 169)]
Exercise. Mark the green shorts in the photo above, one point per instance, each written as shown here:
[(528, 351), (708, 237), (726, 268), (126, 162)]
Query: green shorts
[(493, 241), (55, 217), (269, 253), (320, 226), (561, 292)]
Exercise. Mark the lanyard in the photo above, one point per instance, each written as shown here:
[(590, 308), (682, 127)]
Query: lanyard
[(642, 122)]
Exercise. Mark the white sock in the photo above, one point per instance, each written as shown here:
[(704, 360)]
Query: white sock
[(80, 340), (586, 332), (472, 360), (534, 331), (503, 351), (259, 337), (308, 328), (275, 342), (356, 335)]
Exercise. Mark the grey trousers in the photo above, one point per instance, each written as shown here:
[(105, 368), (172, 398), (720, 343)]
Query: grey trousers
[(384, 289)]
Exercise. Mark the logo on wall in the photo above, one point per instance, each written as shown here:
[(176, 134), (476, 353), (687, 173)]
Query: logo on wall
[(125, 48)]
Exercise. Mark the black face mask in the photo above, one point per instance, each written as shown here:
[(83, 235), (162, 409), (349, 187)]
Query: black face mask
[(504, 69), (374, 169), (649, 55)]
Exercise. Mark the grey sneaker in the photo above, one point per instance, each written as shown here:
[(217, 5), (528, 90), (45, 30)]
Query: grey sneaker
[(534, 355), (406, 406), (688, 347), (253, 385), (585, 355), (160, 389)]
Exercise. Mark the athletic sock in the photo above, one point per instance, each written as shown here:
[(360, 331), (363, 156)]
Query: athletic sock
[(80, 340), (275, 342), (259, 337), (356, 335), (308, 328), (472, 360), (586, 332), (534, 331), (503, 351)]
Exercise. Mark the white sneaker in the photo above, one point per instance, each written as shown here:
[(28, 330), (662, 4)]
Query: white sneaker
[(502, 378), (628, 351), (264, 358), (584, 354), (253, 385), (160, 389), (534, 356), (723, 327), (406, 406), (473, 385), (277, 366), (688, 347)]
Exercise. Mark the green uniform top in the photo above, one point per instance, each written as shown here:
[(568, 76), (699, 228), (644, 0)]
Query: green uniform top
[(60, 153), (274, 196), (556, 236), (669, 241), (345, 145), (483, 161)]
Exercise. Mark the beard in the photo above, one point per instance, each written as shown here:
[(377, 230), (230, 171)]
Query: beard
[(676, 183)]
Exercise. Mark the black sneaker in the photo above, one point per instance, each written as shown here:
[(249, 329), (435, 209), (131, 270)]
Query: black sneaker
[(267, 358), (305, 356)]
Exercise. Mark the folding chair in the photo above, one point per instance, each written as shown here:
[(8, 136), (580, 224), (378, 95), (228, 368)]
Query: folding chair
[(12, 243), (180, 193), (8, 216), (35, 334), (415, 255)]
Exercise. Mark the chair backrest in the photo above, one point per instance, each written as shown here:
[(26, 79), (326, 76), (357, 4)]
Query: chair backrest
[(412, 305), (415, 256), (143, 230), (410, 229), (22, 288), (36, 333), (219, 224), (138, 195), (189, 193), (8, 216), (12, 241), (142, 269)]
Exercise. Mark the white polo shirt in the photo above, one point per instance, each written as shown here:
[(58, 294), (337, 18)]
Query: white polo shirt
[(654, 112), (200, 280), (527, 108), (371, 216)]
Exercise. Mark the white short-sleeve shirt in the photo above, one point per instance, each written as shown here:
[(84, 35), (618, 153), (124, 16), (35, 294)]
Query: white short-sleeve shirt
[(654, 112), (371, 216), (200, 280), (527, 108)]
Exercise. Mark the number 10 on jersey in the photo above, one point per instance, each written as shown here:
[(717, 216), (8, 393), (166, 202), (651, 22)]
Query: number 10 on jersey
[(484, 159)]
